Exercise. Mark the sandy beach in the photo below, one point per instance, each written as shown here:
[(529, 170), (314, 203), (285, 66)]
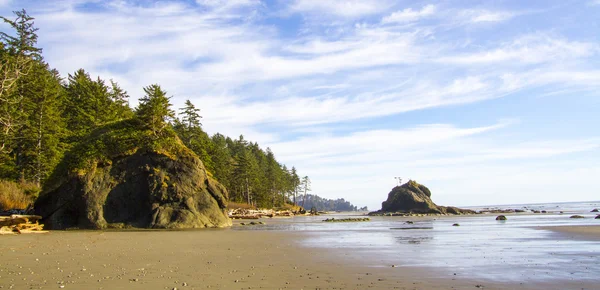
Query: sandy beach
[(202, 259)]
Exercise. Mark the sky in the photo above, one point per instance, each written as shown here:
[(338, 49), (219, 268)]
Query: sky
[(484, 102)]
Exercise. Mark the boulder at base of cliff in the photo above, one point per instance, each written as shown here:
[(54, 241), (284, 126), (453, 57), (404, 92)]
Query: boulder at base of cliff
[(413, 197), (122, 176)]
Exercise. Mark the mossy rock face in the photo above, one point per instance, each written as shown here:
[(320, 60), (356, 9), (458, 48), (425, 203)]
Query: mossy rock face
[(140, 181)]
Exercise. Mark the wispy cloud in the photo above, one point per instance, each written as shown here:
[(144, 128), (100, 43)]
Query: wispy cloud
[(340, 8), (339, 88), (409, 15), (534, 48), (481, 15)]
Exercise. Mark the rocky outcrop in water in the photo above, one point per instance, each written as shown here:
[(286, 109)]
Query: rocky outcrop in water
[(414, 198), (122, 177)]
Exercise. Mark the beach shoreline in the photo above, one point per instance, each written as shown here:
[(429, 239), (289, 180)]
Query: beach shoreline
[(210, 259)]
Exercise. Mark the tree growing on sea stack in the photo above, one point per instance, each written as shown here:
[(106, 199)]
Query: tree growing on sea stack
[(155, 109), (133, 173)]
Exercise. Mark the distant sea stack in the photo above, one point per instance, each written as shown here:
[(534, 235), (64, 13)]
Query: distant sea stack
[(121, 177), (414, 198)]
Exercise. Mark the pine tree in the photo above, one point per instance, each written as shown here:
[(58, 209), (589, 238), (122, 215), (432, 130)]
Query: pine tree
[(40, 145), (154, 109), (191, 117), (190, 132), (18, 54), (92, 103), (305, 187), (295, 183)]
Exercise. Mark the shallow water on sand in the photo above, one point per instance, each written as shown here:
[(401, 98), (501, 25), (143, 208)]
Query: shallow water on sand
[(507, 251)]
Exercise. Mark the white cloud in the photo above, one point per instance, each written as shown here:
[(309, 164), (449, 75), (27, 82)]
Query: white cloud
[(302, 91), (528, 49), (482, 16), (359, 166), (341, 8), (409, 15)]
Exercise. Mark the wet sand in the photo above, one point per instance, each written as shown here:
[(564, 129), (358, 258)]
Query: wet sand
[(581, 232), (206, 259)]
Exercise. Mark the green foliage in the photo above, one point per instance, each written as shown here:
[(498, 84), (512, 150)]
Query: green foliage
[(42, 117), (91, 104), (154, 109), (324, 204), (114, 140)]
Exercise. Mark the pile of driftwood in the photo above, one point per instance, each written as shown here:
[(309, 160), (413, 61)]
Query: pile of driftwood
[(21, 224), (241, 213)]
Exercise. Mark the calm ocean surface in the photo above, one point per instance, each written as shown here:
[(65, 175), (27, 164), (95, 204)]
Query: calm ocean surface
[(481, 247)]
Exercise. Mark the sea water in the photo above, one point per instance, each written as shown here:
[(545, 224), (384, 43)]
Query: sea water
[(515, 250)]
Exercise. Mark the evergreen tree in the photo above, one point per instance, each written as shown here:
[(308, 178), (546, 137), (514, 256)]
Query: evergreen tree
[(154, 109), (91, 104), (40, 144), (295, 183), (245, 177), (306, 187), (190, 132), (18, 53), (191, 117)]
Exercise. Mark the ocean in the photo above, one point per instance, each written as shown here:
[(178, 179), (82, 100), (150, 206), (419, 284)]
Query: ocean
[(513, 251)]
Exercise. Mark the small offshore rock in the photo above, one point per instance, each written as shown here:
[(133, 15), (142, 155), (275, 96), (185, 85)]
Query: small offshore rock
[(597, 217), (594, 210), (577, 217), (501, 218), (456, 225)]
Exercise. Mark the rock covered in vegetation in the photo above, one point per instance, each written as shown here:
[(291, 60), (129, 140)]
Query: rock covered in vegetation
[(577, 217), (501, 218), (121, 176), (414, 198)]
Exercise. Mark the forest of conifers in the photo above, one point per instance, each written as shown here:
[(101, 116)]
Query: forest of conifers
[(43, 116)]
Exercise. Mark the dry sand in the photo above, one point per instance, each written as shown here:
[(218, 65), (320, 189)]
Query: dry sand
[(202, 259)]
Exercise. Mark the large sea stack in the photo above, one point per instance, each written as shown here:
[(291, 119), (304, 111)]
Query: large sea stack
[(414, 198), (121, 176)]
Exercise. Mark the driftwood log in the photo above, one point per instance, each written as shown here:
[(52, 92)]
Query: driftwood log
[(21, 224)]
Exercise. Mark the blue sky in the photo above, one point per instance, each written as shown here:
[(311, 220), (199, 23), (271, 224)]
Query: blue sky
[(485, 102)]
